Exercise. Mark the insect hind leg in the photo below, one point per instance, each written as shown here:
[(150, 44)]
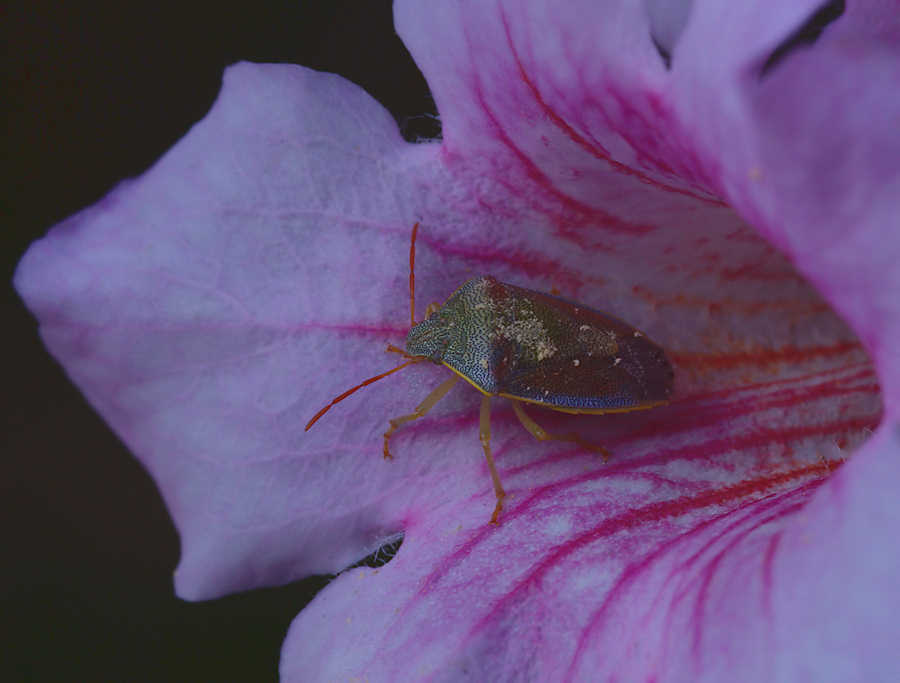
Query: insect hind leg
[(542, 434), (421, 410), (484, 434)]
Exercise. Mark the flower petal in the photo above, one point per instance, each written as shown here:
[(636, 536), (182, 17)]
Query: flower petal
[(711, 586), (814, 157), (209, 308), (661, 568), (198, 306)]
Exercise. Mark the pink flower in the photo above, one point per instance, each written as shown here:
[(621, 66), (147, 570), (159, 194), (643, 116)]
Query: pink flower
[(737, 201)]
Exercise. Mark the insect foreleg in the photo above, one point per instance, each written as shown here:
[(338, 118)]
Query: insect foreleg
[(421, 410), (542, 434), (484, 433), (396, 349)]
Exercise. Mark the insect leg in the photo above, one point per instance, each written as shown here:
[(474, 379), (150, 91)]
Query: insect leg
[(484, 433), (396, 349), (542, 434), (421, 410)]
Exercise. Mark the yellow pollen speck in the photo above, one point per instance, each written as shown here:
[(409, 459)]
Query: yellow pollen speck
[(484, 363), (517, 322)]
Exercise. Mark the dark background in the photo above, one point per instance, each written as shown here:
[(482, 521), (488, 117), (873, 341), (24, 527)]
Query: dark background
[(94, 92)]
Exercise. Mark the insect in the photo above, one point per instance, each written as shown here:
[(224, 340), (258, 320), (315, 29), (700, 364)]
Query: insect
[(528, 347)]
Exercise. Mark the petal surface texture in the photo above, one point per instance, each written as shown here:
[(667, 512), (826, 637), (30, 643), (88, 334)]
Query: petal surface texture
[(652, 160)]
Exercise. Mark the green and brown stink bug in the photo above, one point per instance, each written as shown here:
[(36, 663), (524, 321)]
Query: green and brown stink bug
[(529, 347)]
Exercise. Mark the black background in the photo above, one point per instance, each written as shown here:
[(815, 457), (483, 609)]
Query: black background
[(94, 92)]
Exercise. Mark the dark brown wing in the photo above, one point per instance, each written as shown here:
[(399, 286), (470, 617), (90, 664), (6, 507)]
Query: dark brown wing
[(582, 359)]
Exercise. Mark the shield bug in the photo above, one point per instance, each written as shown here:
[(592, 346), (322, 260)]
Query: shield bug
[(528, 347)]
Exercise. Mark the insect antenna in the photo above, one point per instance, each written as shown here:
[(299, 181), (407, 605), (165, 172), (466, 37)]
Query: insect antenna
[(390, 347), (338, 399), (412, 275)]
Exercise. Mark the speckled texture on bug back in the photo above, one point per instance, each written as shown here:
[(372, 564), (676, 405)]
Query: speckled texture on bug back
[(538, 347)]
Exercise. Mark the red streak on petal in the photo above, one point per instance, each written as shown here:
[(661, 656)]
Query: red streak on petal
[(718, 415), (359, 330), (646, 515), (531, 264), (707, 450), (865, 372), (593, 148), (769, 571), (676, 421), (757, 271), (761, 357), (795, 307), (746, 513), (576, 212), (750, 440), (709, 571)]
